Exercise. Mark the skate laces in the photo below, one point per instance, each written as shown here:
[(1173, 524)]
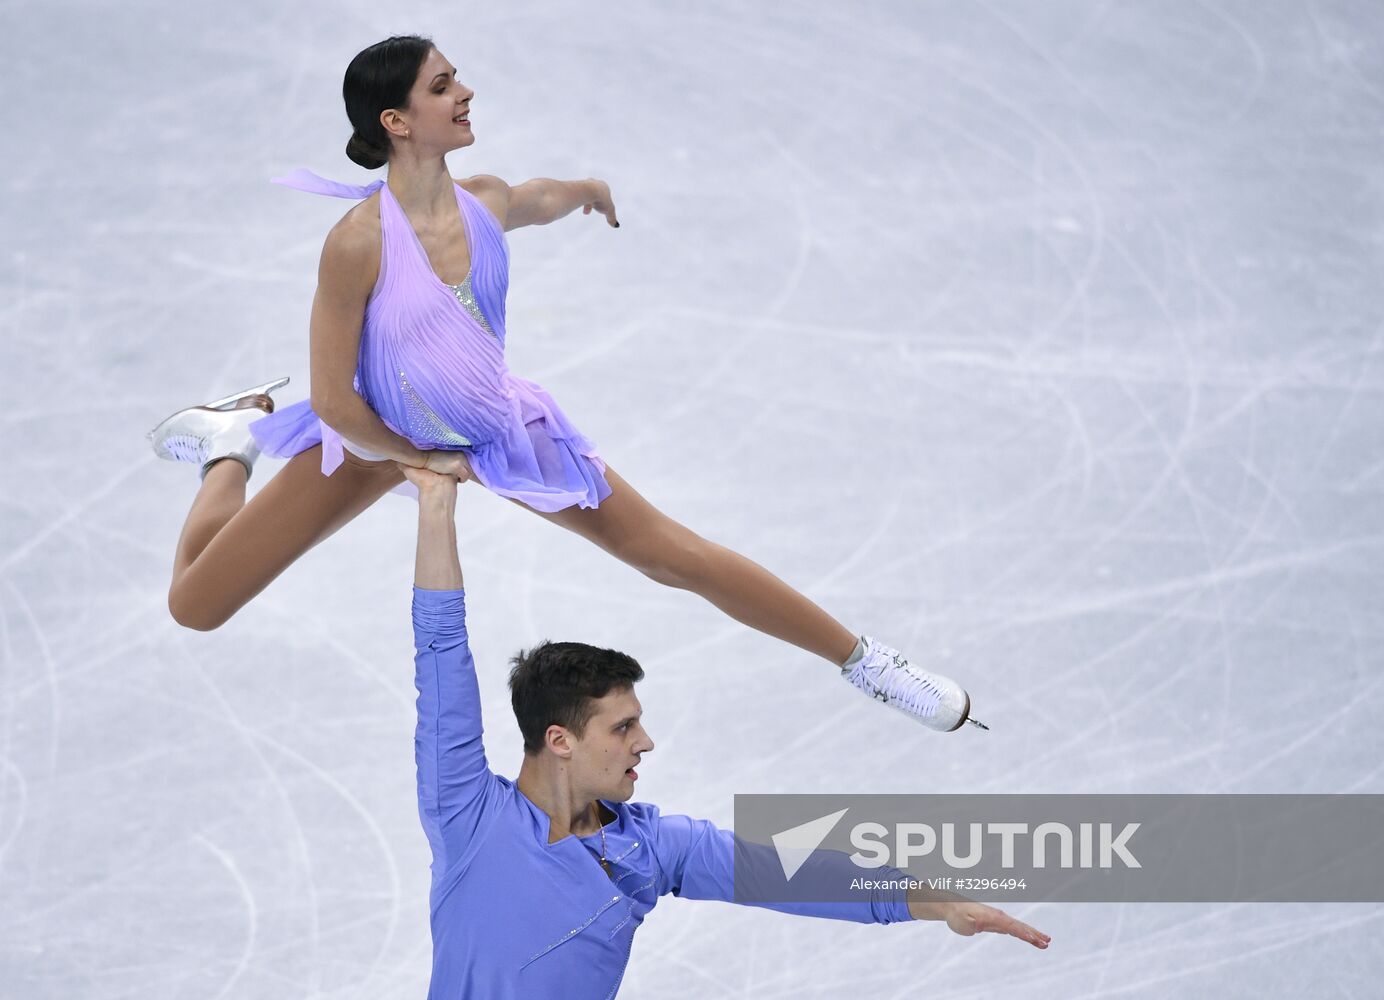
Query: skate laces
[(186, 447), (885, 674)]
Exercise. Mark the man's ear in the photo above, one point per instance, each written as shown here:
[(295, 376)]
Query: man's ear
[(559, 741)]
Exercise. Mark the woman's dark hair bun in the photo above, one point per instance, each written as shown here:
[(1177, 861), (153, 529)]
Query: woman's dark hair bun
[(380, 78), (365, 154)]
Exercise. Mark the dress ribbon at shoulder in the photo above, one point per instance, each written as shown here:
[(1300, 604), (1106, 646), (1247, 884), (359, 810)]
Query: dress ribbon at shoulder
[(305, 180)]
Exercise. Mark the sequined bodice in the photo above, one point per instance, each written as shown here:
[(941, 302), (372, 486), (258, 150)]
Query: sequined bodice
[(423, 421), (467, 298)]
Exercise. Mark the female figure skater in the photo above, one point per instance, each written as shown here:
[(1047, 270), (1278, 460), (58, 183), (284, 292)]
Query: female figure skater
[(408, 368)]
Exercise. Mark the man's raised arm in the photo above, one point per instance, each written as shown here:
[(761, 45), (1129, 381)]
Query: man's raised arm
[(453, 777)]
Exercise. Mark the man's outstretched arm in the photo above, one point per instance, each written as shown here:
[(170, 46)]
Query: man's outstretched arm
[(697, 860), (453, 777)]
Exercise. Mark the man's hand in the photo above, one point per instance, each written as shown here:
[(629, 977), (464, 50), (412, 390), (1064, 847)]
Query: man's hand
[(967, 917), (598, 197)]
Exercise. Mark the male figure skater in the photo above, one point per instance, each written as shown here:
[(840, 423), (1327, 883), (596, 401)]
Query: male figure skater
[(539, 884)]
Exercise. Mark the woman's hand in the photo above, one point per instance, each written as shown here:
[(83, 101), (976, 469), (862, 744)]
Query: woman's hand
[(446, 463), (598, 197), (427, 481)]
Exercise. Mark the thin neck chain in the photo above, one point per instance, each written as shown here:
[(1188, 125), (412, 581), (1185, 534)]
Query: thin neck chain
[(605, 862)]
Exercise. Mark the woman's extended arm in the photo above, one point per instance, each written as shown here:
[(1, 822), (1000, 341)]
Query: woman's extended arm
[(542, 200)]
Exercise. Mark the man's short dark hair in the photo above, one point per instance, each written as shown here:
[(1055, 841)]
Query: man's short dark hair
[(556, 683)]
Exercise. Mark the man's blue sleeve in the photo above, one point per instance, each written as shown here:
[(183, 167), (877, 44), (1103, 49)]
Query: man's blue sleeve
[(697, 860), (454, 781)]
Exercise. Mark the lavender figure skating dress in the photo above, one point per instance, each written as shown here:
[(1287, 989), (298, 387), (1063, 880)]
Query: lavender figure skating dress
[(432, 366)]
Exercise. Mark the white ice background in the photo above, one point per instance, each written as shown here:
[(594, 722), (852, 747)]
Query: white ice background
[(1041, 340)]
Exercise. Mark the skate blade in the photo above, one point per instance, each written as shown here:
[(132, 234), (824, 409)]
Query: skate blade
[(225, 402)]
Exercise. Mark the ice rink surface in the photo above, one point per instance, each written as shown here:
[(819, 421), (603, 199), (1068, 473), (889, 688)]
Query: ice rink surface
[(1043, 341)]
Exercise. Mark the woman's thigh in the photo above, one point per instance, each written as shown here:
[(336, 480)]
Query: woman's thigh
[(295, 510), (627, 526)]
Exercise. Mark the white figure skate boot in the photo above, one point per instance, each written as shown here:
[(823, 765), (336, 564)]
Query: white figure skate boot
[(937, 702), (208, 433)]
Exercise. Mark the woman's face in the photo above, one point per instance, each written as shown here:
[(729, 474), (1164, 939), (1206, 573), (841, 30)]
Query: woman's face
[(439, 107)]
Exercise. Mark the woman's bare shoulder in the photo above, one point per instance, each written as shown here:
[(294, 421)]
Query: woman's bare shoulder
[(351, 252), (490, 191)]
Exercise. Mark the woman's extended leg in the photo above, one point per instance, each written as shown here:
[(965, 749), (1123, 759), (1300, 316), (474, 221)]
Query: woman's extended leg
[(630, 528), (633, 530), (230, 550)]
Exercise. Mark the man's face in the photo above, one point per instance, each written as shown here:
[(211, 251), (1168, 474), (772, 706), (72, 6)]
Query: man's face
[(604, 758)]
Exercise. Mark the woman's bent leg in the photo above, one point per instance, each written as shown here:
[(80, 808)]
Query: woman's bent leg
[(220, 498), (632, 529), (231, 550)]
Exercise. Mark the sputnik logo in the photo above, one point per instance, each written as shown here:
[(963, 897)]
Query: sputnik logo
[(795, 846)]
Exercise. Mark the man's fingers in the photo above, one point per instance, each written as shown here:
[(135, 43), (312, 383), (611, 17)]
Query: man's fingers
[(1032, 935), (1003, 923)]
